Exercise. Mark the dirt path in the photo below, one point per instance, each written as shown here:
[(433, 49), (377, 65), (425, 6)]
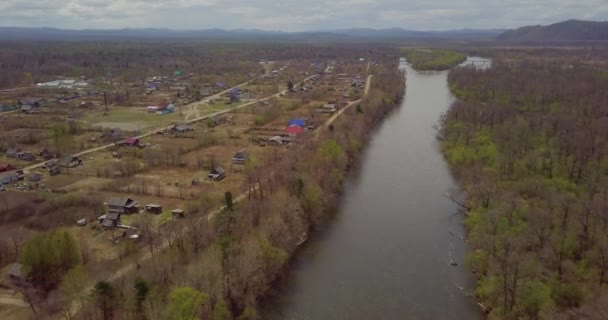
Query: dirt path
[(341, 111), (12, 300)]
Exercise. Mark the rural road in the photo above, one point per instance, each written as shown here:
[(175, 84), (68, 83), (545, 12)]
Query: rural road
[(152, 132), (10, 300), (147, 255)]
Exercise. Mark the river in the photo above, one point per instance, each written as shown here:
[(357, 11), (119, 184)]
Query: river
[(387, 253)]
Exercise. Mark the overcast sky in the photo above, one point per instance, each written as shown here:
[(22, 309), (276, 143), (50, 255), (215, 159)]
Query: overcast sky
[(291, 15)]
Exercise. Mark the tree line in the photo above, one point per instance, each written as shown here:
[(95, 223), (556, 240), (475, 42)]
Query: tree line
[(528, 140)]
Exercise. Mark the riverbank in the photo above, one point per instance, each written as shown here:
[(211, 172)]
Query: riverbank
[(526, 147)]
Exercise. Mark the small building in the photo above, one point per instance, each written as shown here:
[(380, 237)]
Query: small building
[(177, 213), (17, 276), (276, 141), (69, 162), (130, 142), (154, 208), (110, 220), (217, 173), (123, 205), (53, 171), (181, 128), (297, 122), (293, 130), (46, 154), (35, 176), (163, 106), (10, 177), (26, 156), (12, 152), (328, 108), (240, 157), (4, 167), (206, 91)]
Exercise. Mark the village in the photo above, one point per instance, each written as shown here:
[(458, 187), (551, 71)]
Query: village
[(147, 161)]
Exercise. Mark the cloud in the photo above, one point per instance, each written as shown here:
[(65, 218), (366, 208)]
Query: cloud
[(294, 15)]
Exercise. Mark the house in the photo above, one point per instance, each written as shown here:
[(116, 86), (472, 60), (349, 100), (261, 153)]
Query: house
[(240, 157), (12, 152), (35, 177), (207, 91), (177, 213), (160, 107), (17, 276), (130, 142), (46, 154), (328, 108), (110, 220), (53, 171), (293, 130), (297, 122), (4, 167), (277, 141), (181, 128), (27, 108), (10, 176), (154, 208), (216, 174), (69, 162), (26, 156), (123, 205), (29, 102)]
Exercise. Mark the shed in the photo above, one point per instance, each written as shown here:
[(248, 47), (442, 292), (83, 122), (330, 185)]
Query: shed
[(217, 173), (240, 157), (35, 176), (131, 142), (110, 220), (276, 141), (12, 152), (69, 162), (177, 213), (154, 208), (17, 276)]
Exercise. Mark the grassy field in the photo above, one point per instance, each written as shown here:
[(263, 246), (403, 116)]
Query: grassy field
[(433, 59)]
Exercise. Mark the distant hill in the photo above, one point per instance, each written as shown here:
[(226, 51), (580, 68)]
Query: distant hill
[(570, 30), (52, 34)]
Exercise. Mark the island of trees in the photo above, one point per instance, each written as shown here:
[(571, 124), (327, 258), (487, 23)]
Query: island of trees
[(432, 59)]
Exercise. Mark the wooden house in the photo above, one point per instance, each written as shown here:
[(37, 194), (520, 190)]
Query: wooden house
[(216, 174), (240, 157), (123, 205)]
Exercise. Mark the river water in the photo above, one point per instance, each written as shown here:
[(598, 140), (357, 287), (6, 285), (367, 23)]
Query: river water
[(387, 254)]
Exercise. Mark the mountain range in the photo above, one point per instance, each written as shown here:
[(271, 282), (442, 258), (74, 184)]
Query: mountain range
[(569, 30), (39, 34), (565, 31)]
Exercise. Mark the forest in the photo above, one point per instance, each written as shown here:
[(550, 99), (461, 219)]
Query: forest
[(528, 140), (22, 64), (432, 59)]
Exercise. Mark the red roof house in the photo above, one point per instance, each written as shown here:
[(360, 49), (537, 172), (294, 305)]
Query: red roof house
[(4, 167), (293, 130)]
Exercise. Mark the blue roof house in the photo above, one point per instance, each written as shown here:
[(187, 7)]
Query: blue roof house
[(297, 122)]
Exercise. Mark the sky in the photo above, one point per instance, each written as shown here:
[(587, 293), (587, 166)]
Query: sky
[(291, 15)]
